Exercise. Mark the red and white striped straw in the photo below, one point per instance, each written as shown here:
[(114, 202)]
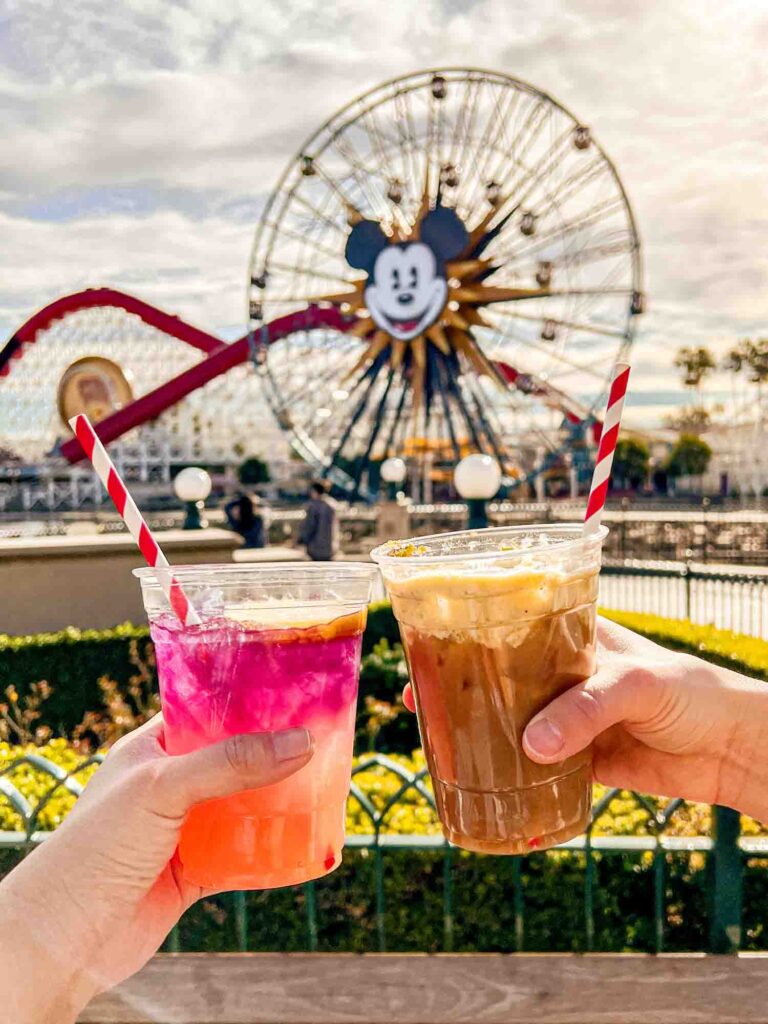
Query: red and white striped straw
[(608, 438), (133, 519)]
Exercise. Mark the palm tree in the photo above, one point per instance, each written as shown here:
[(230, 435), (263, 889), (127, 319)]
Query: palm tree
[(696, 364), (750, 357)]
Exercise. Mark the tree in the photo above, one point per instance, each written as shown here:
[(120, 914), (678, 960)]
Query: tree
[(693, 419), (750, 357), (8, 457), (696, 364), (689, 457), (254, 471), (630, 463)]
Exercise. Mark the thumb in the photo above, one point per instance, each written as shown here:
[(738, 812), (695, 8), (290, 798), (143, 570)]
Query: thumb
[(573, 720), (245, 761)]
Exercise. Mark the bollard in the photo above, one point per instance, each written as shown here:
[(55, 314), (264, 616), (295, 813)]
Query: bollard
[(727, 871)]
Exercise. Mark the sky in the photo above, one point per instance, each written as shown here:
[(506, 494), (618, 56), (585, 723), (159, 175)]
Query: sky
[(141, 140)]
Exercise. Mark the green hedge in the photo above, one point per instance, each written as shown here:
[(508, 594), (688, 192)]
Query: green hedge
[(746, 654), (484, 905), (484, 909), (552, 887), (381, 626), (72, 661)]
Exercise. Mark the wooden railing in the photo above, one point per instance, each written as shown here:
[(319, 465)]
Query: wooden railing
[(477, 989)]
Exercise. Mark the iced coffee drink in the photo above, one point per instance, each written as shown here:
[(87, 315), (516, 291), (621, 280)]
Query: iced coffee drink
[(495, 623)]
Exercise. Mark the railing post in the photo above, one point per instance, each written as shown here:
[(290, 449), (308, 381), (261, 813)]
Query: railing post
[(726, 882), (310, 898), (705, 503), (687, 576), (241, 921), (447, 898)]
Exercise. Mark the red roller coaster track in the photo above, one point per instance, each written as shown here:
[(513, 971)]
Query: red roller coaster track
[(220, 357)]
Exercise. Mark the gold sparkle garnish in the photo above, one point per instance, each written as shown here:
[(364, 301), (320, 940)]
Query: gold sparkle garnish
[(396, 549)]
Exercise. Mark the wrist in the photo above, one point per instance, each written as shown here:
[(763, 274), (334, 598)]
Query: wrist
[(44, 979), (743, 778)]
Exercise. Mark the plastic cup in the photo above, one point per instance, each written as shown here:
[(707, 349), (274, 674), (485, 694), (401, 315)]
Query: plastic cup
[(278, 647), (495, 624)]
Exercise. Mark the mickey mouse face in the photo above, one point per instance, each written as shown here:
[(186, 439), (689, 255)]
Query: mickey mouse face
[(406, 293), (407, 289)]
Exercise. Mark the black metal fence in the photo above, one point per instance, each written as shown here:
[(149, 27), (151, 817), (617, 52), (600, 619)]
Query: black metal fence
[(735, 599), (699, 531), (728, 856)]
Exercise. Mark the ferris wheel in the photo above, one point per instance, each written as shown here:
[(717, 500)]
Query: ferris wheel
[(481, 255)]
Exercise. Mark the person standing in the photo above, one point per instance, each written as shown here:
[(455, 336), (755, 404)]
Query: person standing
[(319, 531), (244, 515)]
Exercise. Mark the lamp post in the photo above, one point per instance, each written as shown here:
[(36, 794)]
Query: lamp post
[(393, 472), (477, 478), (192, 486), (392, 518)]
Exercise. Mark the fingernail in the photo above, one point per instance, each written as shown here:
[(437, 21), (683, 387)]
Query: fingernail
[(291, 744), (544, 737)]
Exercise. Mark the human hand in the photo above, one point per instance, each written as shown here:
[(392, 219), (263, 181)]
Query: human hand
[(661, 722), (90, 906)]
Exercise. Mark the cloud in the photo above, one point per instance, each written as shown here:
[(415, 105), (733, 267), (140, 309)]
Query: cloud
[(141, 140)]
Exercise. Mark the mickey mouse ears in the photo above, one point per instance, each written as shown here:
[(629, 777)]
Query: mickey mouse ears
[(442, 230), (365, 242)]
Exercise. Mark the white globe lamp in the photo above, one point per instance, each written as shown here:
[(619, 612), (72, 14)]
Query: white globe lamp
[(393, 473), (477, 478), (192, 486)]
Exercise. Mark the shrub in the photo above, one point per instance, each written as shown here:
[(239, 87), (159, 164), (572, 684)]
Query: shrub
[(383, 722), (550, 886), (75, 664), (71, 661), (690, 456), (35, 785), (747, 654), (382, 625), (254, 471), (630, 462)]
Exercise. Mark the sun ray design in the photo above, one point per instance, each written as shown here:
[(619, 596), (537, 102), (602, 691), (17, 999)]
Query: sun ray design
[(453, 318), (462, 269), (436, 259), (365, 326), (379, 342), (466, 295), (436, 334), (398, 352), (484, 294)]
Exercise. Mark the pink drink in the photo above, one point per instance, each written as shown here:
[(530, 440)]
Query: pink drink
[(259, 669)]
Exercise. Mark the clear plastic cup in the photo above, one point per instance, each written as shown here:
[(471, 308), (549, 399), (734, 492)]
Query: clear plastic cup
[(495, 624), (278, 647)]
